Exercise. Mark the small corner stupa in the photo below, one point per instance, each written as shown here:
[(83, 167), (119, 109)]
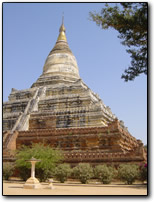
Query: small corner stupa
[(62, 111)]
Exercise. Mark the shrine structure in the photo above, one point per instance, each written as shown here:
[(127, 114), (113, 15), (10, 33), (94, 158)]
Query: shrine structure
[(60, 110)]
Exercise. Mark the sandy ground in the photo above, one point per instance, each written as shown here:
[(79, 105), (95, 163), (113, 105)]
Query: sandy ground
[(16, 188)]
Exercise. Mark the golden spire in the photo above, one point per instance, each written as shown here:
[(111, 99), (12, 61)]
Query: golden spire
[(62, 36)]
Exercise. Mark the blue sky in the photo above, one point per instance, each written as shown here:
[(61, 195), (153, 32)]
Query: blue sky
[(30, 31)]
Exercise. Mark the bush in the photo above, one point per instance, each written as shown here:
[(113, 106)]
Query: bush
[(104, 173), (8, 169), (83, 172), (45, 153), (128, 173), (24, 172), (143, 172), (62, 172), (44, 173)]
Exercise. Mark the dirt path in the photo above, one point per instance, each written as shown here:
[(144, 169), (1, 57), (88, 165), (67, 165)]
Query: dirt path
[(75, 189)]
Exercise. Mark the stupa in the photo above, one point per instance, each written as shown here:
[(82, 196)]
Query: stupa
[(59, 109)]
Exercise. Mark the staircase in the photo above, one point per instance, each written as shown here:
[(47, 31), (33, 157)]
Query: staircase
[(22, 123), (9, 145)]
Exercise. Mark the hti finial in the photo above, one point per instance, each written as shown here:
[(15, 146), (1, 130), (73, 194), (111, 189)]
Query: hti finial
[(63, 18), (62, 36)]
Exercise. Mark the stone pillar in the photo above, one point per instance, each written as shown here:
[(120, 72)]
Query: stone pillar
[(33, 169), (32, 182)]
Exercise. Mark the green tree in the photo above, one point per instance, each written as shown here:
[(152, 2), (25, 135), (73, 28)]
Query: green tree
[(8, 169), (62, 172), (104, 173), (143, 172), (44, 169), (128, 173), (83, 172), (130, 20)]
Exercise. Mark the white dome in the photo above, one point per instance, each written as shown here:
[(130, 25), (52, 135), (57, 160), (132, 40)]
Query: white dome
[(61, 63), (60, 60)]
